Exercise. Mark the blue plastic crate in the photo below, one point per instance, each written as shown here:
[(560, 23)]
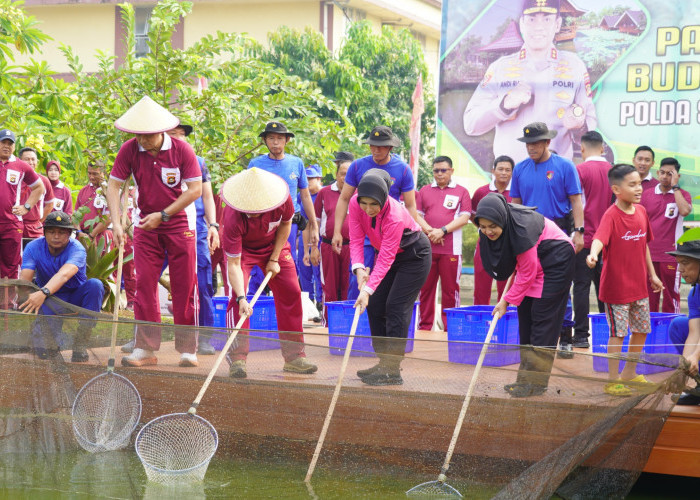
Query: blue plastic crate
[(656, 343), (264, 318), (340, 316), (471, 324)]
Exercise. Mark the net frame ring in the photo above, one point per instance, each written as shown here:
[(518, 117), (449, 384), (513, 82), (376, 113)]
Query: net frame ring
[(168, 476), (86, 443)]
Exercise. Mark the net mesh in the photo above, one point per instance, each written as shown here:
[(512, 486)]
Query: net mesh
[(105, 413), (433, 489), (574, 440), (177, 448)]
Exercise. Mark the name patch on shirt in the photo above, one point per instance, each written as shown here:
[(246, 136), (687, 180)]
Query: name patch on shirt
[(451, 202), (273, 225), (671, 211), (13, 177), (170, 176)]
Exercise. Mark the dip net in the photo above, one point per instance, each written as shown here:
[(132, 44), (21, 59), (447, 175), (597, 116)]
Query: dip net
[(574, 440)]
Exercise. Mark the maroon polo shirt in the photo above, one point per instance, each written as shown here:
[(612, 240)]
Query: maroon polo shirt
[(159, 179), (37, 211), (324, 206), (597, 194), (96, 203), (255, 235), (440, 206), (666, 222), (13, 173)]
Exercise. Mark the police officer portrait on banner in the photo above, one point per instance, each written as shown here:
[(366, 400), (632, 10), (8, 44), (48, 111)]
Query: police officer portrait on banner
[(540, 82)]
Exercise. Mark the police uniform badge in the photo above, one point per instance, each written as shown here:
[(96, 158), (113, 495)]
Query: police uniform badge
[(450, 202), (58, 205), (12, 177), (170, 176)]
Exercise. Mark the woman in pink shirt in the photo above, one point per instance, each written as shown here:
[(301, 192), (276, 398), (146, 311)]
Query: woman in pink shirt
[(401, 267), (514, 238)]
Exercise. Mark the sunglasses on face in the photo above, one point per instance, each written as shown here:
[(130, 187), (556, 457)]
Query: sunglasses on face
[(440, 170)]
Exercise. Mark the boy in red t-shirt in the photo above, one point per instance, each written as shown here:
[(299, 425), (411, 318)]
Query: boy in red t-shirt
[(623, 236)]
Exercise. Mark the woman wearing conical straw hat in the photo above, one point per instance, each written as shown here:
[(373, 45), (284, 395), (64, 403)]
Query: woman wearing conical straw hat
[(168, 178), (257, 222), (400, 270)]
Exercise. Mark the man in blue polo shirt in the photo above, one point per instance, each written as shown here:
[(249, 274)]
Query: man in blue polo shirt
[(551, 183), (57, 264), (291, 169), (381, 142), (684, 331)]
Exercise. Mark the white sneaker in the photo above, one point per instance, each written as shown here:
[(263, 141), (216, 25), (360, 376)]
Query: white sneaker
[(188, 359), (140, 357)]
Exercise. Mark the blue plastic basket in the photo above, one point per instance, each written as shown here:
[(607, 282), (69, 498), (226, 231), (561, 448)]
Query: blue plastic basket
[(656, 343), (340, 316), (264, 318), (471, 324)]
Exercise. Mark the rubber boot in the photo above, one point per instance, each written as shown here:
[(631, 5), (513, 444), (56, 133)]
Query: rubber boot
[(80, 344), (388, 372)]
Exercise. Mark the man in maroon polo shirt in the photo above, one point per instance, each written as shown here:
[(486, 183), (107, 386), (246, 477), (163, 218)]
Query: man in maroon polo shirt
[(597, 197), (444, 206), (34, 220), (91, 197), (666, 204), (501, 175), (14, 173), (335, 268), (643, 160), (257, 223), (168, 178)]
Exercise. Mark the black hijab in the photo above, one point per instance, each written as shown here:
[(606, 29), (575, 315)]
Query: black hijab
[(522, 227), (375, 184)]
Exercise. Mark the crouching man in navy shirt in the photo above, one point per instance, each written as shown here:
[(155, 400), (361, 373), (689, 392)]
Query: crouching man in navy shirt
[(57, 264)]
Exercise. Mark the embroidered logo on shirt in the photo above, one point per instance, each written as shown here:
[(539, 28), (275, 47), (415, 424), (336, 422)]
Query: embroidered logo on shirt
[(671, 211), (450, 202), (550, 175), (12, 177), (58, 205), (99, 202), (170, 176), (273, 225)]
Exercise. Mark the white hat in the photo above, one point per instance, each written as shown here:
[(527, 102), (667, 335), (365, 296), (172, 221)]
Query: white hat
[(146, 117), (255, 191)]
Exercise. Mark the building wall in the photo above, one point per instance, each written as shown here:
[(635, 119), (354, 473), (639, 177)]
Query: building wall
[(255, 18), (84, 28), (89, 25)]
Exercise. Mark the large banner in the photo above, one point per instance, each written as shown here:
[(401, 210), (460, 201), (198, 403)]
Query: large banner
[(627, 68)]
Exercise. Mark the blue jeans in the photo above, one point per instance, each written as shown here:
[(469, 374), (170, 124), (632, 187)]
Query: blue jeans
[(89, 296), (678, 332)]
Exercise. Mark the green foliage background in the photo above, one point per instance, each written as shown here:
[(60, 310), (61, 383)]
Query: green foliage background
[(330, 100)]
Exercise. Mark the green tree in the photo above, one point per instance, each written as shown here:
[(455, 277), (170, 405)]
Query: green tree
[(243, 93), (33, 103), (371, 78)]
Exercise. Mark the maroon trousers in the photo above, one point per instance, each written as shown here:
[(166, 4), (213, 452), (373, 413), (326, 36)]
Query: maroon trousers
[(10, 252), (448, 268), (483, 282), (129, 272), (671, 278), (149, 250), (335, 275), (285, 289)]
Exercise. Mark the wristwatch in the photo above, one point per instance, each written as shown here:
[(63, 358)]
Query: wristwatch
[(444, 230), (215, 225), (27, 207), (46, 291), (239, 298), (164, 216), (675, 188), (580, 229)]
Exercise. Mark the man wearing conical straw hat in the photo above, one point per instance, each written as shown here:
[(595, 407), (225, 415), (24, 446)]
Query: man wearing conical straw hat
[(168, 179), (257, 222)]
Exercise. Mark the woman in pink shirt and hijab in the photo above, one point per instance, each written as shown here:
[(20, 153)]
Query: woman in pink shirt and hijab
[(401, 267), (515, 238)]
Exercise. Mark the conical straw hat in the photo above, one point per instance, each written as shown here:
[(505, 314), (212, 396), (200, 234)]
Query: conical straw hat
[(255, 191), (146, 117)]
